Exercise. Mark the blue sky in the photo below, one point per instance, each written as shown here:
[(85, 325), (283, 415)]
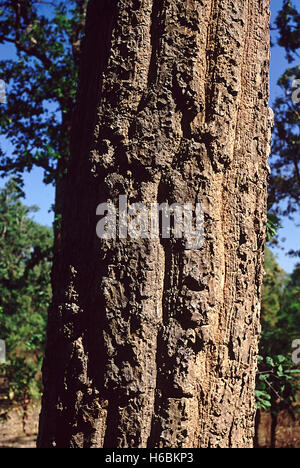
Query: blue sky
[(42, 195)]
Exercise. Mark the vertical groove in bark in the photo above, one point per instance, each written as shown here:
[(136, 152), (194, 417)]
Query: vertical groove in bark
[(151, 344)]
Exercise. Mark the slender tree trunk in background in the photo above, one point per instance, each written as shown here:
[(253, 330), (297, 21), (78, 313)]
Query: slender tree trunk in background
[(256, 428), (274, 423), (151, 344)]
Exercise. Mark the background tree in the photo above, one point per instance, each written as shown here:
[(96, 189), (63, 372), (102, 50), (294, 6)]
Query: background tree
[(41, 83), (285, 162), (273, 289), (278, 380), (25, 262), (149, 343), (278, 377)]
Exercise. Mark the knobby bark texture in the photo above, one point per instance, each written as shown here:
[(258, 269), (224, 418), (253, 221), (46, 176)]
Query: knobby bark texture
[(151, 344)]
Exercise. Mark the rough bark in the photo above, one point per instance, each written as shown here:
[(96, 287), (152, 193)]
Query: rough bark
[(151, 344)]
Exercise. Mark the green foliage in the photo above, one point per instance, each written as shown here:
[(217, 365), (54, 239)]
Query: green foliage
[(278, 378), (285, 176), (272, 226), (273, 290), (25, 293), (288, 25), (41, 81), (277, 384)]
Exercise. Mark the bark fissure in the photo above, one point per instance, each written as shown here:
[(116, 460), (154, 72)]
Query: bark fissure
[(210, 53), (155, 35)]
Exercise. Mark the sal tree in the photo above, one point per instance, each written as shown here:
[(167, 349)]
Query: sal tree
[(285, 162), (151, 344), (41, 81)]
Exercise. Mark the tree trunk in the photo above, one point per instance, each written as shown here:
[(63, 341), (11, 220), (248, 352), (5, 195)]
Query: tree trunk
[(256, 428), (274, 424), (151, 343)]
